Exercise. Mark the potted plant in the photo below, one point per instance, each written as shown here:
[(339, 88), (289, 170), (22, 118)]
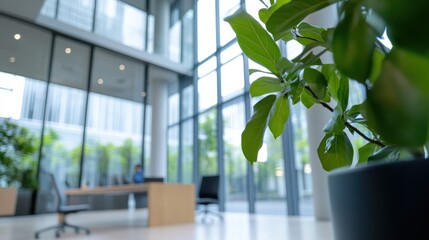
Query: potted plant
[(385, 196), (17, 167)]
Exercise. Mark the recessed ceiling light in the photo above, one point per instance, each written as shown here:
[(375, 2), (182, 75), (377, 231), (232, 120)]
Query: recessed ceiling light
[(143, 94), (12, 59), (122, 67), (100, 81), (17, 36), (67, 50)]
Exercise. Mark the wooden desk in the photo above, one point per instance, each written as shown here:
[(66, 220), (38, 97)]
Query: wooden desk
[(167, 203)]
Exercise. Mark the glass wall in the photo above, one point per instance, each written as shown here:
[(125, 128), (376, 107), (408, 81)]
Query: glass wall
[(217, 117), (302, 159), (207, 142), (235, 166), (115, 116), (122, 22), (23, 82), (187, 151), (78, 13), (65, 110), (206, 35), (269, 174), (173, 154), (162, 27)]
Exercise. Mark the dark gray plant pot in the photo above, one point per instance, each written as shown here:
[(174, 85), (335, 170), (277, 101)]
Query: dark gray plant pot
[(382, 201)]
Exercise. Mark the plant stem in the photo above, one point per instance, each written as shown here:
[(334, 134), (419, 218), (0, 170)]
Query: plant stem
[(262, 1), (348, 125)]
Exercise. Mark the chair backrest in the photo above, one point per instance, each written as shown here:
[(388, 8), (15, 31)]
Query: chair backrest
[(153, 179), (209, 187), (59, 191)]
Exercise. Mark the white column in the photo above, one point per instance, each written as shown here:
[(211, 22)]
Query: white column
[(162, 24), (317, 117), (159, 97)]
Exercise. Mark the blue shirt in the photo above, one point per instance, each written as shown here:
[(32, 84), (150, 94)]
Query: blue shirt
[(138, 177)]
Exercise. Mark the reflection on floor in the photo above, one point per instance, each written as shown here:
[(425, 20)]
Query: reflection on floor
[(271, 207), (131, 224)]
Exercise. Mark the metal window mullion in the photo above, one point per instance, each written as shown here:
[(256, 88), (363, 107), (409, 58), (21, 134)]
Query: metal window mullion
[(181, 123), (195, 98), (85, 116), (48, 83), (145, 89), (251, 192)]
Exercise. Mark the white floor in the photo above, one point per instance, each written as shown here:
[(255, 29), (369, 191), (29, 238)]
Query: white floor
[(131, 224)]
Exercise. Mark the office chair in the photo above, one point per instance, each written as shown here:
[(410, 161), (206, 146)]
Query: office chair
[(153, 179), (63, 210), (208, 194)]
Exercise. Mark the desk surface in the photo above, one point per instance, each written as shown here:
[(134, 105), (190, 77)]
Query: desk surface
[(109, 189), (168, 203)]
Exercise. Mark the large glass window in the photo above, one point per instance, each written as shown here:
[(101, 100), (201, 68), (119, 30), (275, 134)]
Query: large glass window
[(188, 101), (208, 143), (226, 33), (115, 114), (122, 22), (65, 110), (23, 82), (206, 28), (207, 84), (302, 159), (232, 75), (175, 35), (188, 35), (173, 109), (235, 165), (187, 151), (78, 13), (173, 154), (269, 175)]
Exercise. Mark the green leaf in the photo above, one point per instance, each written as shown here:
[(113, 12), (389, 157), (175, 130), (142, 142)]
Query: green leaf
[(252, 71), (343, 93), (254, 40), (354, 111), (377, 62), (297, 87), (396, 108), (264, 85), (403, 18), (334, 151), (333, 84), (413, 66), (308, 34), (280, 116), (353, 44), (316, 81), (336, 123), (366, 151), (289, 36), (292, 13), (268, 11), (253, 134), (388, 153), (307, 99), (306, 56), (284, 65), (264, 14)]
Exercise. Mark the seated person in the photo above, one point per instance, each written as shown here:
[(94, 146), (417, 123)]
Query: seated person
[(138, 174)]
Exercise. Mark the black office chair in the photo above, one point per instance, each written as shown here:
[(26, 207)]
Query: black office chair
[(208, 195), (63, 209), (153, 179)]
